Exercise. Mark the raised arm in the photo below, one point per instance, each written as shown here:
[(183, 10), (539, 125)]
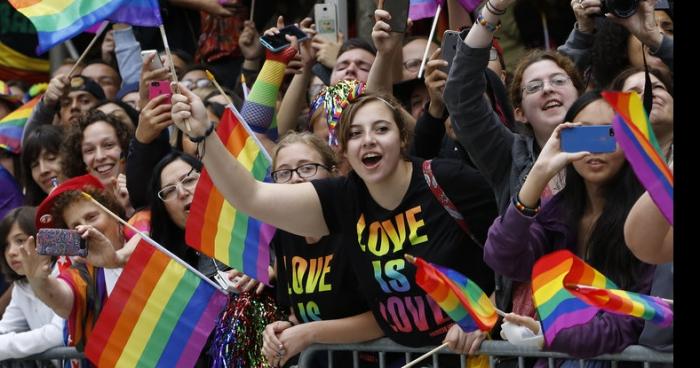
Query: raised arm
[(295, 208), (647, 233)]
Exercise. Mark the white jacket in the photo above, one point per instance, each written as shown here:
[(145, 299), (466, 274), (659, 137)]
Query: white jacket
[(28, 326)]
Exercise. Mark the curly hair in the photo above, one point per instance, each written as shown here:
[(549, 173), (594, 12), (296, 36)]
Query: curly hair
[(24, 218), (69, 197), (71, 151), (609, 54)]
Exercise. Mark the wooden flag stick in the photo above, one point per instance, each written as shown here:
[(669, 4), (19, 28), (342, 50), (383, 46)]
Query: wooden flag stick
[(430, 40), (252, 9), (218, 86), (152, 242), (173, 75), (87, 49), (422, 357)]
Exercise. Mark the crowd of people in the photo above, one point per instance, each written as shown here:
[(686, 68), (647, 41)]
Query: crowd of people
[(461, 166)]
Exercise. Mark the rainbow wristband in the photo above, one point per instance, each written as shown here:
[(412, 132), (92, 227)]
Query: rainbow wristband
[(489, 26)]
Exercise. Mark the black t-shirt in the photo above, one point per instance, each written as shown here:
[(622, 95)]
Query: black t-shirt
[(419, 226), (316, 280)]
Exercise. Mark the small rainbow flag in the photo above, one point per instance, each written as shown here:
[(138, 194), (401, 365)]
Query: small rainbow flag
[(462, 299), (623, 302), (12, 126), (636, 137), (558, 309), (58, 20), (159, 314), (216, 228)]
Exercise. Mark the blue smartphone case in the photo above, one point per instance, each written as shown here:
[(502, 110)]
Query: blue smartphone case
[(591, 138)]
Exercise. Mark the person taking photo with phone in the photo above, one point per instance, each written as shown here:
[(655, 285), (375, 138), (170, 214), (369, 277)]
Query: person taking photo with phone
[(586, 217)]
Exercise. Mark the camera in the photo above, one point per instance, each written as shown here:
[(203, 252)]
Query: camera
[(619, 8)]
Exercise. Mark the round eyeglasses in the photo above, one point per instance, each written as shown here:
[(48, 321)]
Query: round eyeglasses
[(537, 85), (303, 171)]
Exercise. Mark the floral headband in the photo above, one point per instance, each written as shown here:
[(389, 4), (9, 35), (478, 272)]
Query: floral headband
[(335, 99)]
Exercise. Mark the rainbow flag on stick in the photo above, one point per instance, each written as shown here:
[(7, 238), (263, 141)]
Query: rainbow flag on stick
[(568, 292), (420, 9), (462, 299), (58, 20), (636, 137), (12, 126), (159, 314), (216, 228)]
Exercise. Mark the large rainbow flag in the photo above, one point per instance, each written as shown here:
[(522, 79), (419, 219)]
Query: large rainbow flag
[(462, 299), (58, 20), (216, 228), (636, 138), (567, 292), (12, 126), (159, 314)]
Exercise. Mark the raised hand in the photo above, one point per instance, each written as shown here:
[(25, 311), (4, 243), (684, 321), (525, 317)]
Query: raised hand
[(186, 106), (435, 80), (384, 40), (251, 49), (154, 117), (58, 87), (585, 10)]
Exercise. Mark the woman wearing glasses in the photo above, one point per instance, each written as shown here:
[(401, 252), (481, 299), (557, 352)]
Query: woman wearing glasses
[(544, 86), (315, 278)]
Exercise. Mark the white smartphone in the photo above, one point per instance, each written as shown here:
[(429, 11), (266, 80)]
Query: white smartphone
[(341, 16), (156, 63), (325, 19)]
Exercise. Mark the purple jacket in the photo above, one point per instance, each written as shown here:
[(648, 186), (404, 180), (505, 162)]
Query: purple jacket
[(513, 245)]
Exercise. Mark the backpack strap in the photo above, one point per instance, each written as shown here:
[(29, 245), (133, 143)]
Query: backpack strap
[(445, 201)]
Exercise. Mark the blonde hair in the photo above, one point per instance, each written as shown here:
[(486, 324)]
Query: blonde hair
[(310, 140)]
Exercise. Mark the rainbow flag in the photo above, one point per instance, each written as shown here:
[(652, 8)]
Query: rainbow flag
[(216, 228), (58, 20), (12, 126), (159, 314), (558, 309), (420, 9), (462, 299), (627, 303), (636, 138)]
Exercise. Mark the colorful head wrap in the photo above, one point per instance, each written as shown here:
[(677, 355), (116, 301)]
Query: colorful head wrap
[(334, 100)]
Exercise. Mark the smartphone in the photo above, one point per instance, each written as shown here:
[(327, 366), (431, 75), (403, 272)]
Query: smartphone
[(60, 242), (325, 19), (158, 88), (156, 63), (341, 15), (399, 14), (278, 42), (591, 138), (448, 48)]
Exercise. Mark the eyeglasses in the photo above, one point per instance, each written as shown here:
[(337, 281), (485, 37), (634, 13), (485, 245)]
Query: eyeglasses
[(537, 85), (304, 171), (169, 192), (199, 83), (412, 65)]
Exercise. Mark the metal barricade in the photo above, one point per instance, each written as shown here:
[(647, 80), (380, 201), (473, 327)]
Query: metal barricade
[(493, 349)]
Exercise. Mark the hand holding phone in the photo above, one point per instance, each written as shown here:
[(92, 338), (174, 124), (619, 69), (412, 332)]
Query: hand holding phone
[(450, 39), (156, 63), (60, 242), (399, 13), (279, 42), (590, 138), (157, 88)]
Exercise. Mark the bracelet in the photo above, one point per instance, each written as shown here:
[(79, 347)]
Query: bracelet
[(527, 211), (493, 9), (202, 137), (489, 26)]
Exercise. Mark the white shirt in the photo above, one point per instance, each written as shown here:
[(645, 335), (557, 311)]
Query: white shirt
[(28, 326)]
